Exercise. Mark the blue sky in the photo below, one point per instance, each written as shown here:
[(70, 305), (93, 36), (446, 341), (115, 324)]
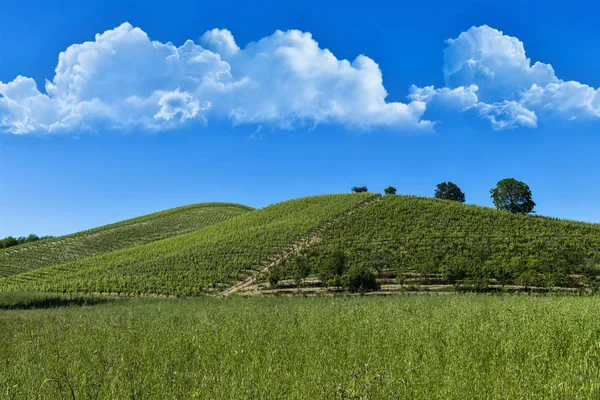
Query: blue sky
[(128, 126)]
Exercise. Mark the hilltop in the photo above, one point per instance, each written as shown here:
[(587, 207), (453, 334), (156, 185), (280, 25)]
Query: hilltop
[(330, 240), (124, 234)]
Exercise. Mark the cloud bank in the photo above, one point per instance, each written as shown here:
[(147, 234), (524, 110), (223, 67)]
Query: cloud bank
[(488, 72), (124, 80)]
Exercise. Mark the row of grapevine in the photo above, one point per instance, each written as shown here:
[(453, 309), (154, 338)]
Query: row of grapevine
[(461, 242), (113, 237)]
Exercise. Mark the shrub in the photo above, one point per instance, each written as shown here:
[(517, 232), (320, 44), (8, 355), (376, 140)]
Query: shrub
[(301, 269), (360, 278), (334, 282), (531, 278), (390, 190), (455, 270), (475, 284), (275, 275), (333, 266)]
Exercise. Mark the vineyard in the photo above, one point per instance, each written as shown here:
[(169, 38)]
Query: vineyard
[(129, 233), (203, 261), (405, 239), (325, 242)]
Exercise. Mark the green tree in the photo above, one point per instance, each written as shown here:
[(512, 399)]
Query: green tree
[(390, 190), (333, 266), (275, 275), (301, 269), (449, 191), (360, 278), (9, 241), (32, 238), (360, 189), (513, 195)]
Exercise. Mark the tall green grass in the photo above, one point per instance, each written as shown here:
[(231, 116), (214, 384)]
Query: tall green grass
[(401, 347)]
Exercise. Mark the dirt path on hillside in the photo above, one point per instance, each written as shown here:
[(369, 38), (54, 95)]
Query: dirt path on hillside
[(296, 247), (250, 280)]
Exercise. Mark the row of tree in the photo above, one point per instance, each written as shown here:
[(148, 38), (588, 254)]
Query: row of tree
[(10, 241), (508, 195)]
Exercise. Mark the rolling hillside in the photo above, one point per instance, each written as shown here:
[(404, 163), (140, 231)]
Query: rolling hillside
[(397, 238), (454, 242), (203, 261), (129, 233)]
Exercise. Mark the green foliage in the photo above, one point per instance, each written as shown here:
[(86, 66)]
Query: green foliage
[(360, 189), (513, 196), (274, 275), (51, 251), (9, 241), (390, 190), (206, 260), (302, 269), (449, 191), (530, 278), (371, 347), (360, 278), (333, 267)]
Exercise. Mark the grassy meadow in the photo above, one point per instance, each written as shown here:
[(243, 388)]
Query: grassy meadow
[(360, 347)]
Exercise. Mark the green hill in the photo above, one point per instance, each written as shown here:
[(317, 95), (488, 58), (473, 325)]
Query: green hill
[(129, 233), (202, 261), (396, 238), (452, 242)]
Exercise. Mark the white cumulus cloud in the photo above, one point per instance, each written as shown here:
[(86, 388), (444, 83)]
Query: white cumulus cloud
[(488, 71), (123, 79)]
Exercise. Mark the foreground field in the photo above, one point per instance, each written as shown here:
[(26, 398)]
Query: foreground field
[(412, 347), (124, 234)]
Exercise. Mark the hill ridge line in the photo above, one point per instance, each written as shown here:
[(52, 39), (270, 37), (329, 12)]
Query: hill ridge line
[(123, 224), (304, 243), (128, 233)]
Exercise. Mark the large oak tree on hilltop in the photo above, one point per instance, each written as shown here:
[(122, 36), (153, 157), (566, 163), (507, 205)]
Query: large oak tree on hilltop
[(513, 195)]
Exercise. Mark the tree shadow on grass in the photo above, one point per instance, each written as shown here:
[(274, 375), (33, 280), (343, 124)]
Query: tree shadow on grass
[(39, 301)]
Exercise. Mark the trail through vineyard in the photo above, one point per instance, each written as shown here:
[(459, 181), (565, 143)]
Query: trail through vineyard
[(296, 248)]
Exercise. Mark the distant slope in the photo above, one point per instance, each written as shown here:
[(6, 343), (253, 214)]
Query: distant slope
[(129, 233), (461, 242), (203, 261)]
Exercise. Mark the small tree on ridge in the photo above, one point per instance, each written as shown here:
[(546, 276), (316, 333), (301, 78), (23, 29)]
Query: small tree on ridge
[(360, 189), (449, 191)]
